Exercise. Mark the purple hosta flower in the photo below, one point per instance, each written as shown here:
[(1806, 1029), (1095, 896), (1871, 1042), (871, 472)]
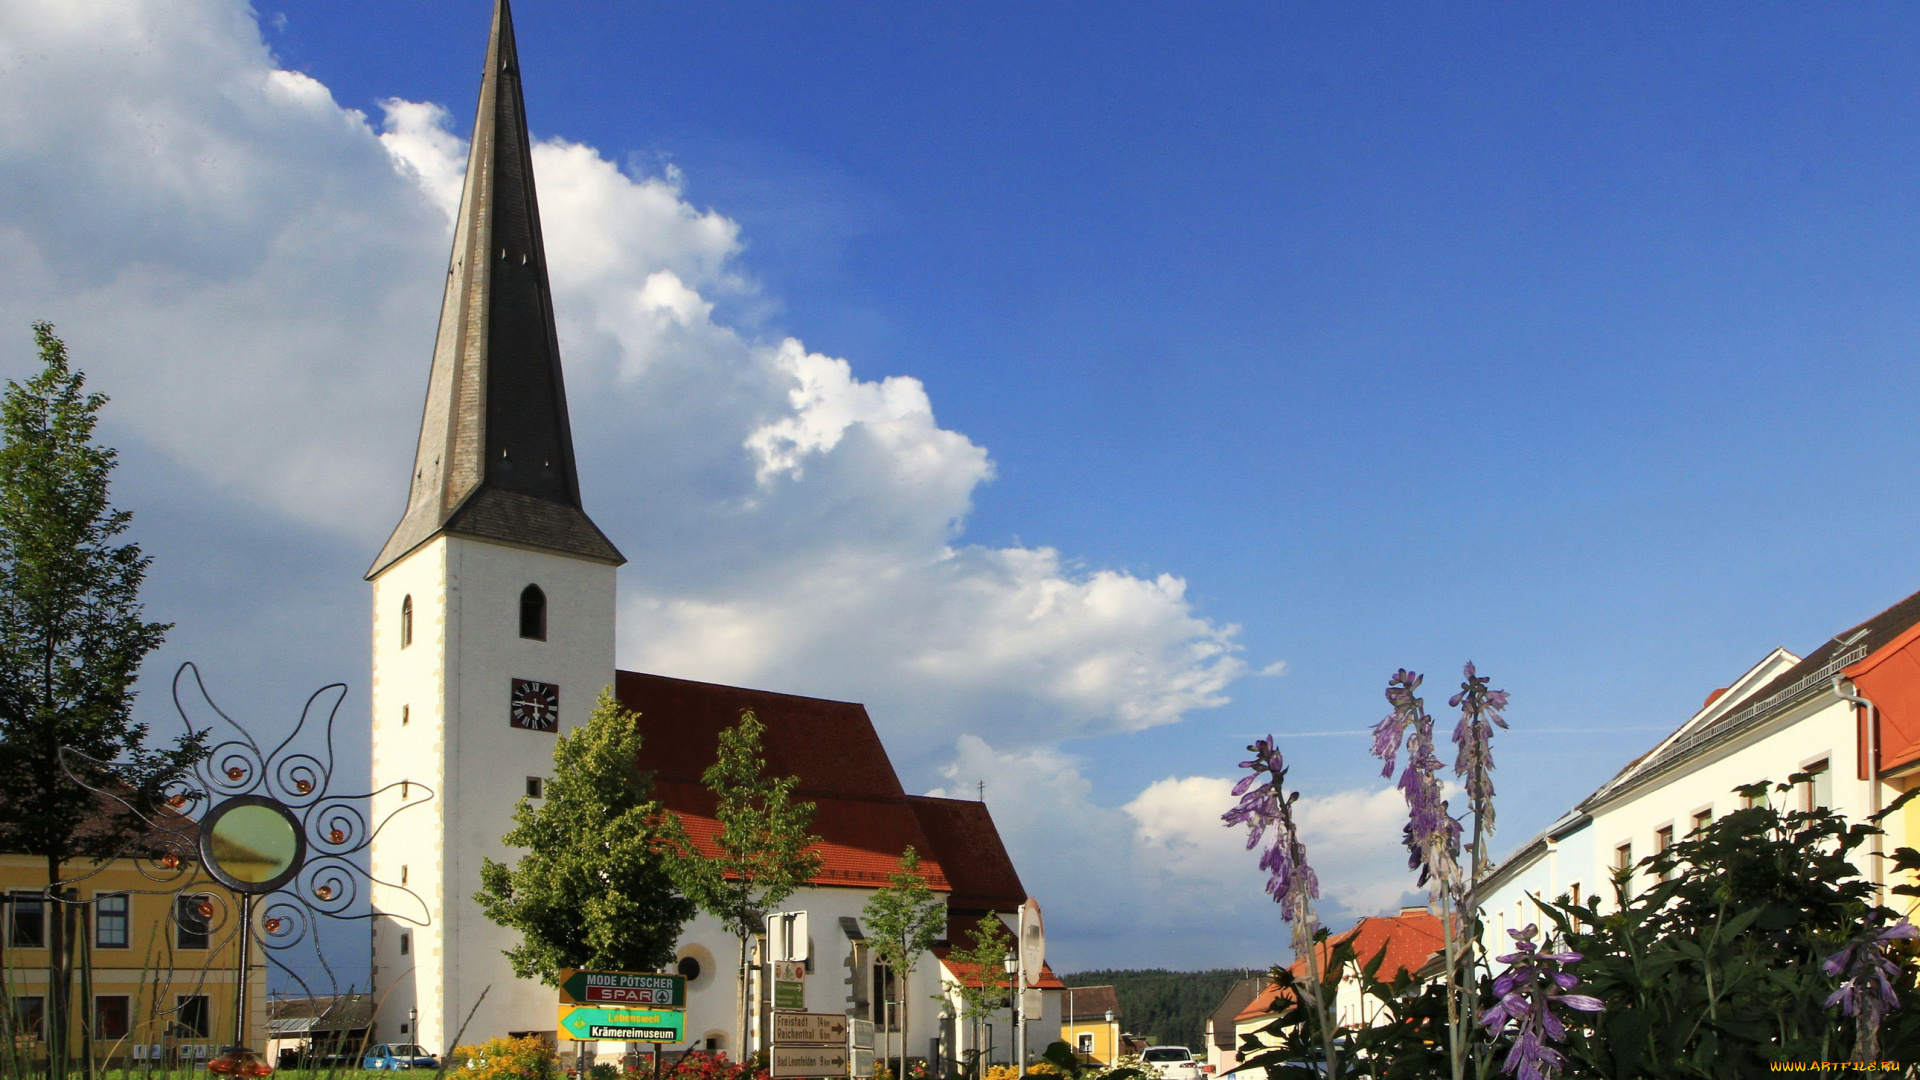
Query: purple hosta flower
[(1265, 803), (1432, 835), (1867, 973), (1530, 991), (1479, 712)]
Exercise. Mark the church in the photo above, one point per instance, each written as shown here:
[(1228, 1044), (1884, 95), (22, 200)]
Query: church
[(493, 630)]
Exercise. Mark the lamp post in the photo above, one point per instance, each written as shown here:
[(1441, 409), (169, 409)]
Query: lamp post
[(1019, 1025), (1113, 1040)]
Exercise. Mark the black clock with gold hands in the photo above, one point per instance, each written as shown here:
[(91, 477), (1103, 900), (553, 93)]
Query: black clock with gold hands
[(536, 706)]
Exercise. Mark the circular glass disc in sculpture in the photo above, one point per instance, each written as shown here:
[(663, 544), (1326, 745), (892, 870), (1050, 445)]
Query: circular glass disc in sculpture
[(252, 844)]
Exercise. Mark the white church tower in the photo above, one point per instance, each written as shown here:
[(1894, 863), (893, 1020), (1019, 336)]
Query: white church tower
[(493, 603)]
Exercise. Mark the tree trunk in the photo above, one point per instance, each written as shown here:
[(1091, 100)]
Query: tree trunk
[(904, 975), (740, 1036), (54, 923)]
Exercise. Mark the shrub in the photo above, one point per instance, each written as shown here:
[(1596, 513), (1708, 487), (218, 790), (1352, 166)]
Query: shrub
[(526, 1058)]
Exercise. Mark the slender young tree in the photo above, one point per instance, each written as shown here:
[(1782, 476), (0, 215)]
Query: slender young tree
[(593, 889), (72, 638), (904, 919), (765, 851), (986, 959)]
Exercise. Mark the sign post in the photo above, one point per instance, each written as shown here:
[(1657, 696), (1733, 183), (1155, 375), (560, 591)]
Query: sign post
[(638, 989), (629, 1006), (591, 1023), (808, 1044)]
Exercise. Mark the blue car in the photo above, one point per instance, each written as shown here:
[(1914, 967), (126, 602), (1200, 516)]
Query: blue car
[(399, 1056)]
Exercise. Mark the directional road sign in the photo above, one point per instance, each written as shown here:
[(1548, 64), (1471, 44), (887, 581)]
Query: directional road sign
[(806, 1027), (809, 1060), (641, 989), (631, 1025)]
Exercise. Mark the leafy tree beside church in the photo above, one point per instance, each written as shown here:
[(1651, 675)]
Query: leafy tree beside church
[(593, 890), (72, 638), (765, 851)]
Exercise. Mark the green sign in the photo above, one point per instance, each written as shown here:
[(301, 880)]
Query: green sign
[(634, 989), (629, 1025), (789, 995)]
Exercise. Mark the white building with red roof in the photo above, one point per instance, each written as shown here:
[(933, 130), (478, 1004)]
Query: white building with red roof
[(493, 630)]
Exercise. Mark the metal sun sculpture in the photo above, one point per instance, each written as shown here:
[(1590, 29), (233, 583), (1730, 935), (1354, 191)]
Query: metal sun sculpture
[(263, 825)]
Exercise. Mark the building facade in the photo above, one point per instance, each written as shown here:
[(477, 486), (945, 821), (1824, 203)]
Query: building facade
[(154, 977), (1845, 717), (1090, 1023)]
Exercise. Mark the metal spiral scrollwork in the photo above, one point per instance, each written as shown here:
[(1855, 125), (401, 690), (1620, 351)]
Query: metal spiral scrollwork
[(180, 851)]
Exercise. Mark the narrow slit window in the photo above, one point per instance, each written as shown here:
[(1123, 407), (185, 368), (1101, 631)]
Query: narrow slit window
[(406, 715), (406, 943), (406, 621), (533, 613)]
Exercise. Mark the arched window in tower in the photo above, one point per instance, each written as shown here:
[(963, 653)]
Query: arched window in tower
[(406, 621), (533, 613)]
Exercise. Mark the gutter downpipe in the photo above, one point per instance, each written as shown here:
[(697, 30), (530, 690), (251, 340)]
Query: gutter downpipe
[(1873, 775)]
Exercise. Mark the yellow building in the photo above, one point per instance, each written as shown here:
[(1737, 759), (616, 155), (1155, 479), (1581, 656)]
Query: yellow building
[(152, 974), (1091, 1023)]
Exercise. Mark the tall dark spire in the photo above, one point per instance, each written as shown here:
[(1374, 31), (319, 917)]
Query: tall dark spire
[(496, 452)]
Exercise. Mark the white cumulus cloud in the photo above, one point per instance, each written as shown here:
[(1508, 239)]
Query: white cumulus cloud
[(1164, 868), (253, 272)]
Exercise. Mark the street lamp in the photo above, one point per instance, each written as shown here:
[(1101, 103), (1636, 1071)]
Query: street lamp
[(413, 1023), (1019, 1028)]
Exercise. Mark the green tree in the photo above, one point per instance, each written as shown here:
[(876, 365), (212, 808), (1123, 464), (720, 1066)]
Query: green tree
[(765, 851), (72, 638), (593, 890), (1713, 966), (904, 919), (984, 985)]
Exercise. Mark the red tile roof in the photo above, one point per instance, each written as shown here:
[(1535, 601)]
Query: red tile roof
[(830, 745), (976, 862), (864, 818), (969, 974), (1410, 938), (861, 840)]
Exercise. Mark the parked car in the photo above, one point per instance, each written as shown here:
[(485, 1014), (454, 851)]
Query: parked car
[(399, 1056), (1171, 1063)]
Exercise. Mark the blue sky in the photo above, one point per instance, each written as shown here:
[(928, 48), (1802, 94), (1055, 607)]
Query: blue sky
[(1578, 343), (1575, 342)]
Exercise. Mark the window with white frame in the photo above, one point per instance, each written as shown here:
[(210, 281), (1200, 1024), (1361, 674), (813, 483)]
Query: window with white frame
[(110, 921)]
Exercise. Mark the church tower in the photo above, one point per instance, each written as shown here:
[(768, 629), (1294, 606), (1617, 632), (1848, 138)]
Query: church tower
[(493, 603)]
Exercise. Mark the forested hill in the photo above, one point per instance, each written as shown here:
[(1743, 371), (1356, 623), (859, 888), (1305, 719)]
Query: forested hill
[(1166, 1007)]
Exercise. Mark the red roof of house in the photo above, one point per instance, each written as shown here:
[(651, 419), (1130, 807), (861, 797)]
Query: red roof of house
[(864, 818), (830, 745), (976, 862), (970, 974), (1410, 939), (860, 839)]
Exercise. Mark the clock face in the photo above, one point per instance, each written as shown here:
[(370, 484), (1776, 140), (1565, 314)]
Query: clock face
[(536, 706)]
